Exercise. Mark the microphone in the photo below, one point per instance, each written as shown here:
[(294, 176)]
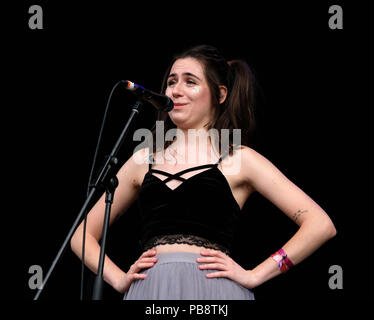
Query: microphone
[(161, 102)]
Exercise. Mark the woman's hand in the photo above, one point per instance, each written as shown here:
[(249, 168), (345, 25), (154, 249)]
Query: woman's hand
[(228, 268), (146, 260)]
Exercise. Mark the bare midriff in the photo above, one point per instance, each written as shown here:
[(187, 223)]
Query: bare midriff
[(177, 247)]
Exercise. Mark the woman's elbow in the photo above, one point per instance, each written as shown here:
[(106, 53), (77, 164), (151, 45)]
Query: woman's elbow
[(333, 231), (324, 228), (75, 243), (329, 229)]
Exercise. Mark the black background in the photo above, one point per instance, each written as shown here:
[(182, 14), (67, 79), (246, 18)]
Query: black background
[(311, 111)]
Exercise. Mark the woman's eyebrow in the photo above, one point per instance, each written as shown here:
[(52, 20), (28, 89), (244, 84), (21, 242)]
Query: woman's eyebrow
[(184, 74)]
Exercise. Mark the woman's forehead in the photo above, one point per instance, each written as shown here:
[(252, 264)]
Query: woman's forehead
[(187, 65)]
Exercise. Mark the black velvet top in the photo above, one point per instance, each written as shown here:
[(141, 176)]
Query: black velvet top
[(201, 210)]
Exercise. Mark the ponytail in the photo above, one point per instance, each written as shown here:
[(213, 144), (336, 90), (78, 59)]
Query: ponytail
[(239, 105)]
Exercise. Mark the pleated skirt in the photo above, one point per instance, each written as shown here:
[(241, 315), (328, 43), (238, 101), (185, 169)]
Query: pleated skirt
[(176, 276)]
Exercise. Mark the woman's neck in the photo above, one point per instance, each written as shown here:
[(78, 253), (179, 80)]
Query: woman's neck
[(192, 146)]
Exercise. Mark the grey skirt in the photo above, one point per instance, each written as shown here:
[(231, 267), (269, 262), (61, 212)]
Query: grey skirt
[(176, 276)]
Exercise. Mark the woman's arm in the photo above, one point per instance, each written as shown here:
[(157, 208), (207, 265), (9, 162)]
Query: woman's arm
[(315, 226), (126, 192)]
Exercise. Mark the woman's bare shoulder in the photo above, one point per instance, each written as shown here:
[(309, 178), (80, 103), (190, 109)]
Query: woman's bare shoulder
[(249, 153), (136, 166), (243, 156), (246, 161), (256, 168)]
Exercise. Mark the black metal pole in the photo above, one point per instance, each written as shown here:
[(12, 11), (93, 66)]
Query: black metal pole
[(106, 174), (66, 241), (99, 281)]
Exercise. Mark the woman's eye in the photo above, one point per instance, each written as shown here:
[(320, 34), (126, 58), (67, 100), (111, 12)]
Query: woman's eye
[(170, 83), (190, 82)]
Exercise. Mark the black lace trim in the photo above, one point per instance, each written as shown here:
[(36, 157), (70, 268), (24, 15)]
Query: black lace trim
[(185, 239)]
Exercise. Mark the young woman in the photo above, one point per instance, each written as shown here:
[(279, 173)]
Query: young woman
[(191, 191)]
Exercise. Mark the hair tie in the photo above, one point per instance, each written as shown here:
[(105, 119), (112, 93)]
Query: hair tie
[(230, 75)]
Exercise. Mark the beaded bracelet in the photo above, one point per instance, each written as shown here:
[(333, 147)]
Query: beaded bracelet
[(284, 263)]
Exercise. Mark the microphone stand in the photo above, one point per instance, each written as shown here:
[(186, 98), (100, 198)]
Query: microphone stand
[(99, 281), (106, 180)]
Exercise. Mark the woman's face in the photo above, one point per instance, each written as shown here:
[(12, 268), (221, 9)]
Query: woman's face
[(188, 88)]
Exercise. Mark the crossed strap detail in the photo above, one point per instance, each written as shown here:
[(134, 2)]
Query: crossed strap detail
[(177, 176)]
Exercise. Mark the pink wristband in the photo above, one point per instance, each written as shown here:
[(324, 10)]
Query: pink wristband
[(285, 258), (278, 258)]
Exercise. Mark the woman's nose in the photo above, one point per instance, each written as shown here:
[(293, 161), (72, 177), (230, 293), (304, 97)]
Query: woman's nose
[(177, 90)]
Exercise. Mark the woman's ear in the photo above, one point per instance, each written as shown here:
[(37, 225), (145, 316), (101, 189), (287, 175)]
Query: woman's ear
[(222, 94)]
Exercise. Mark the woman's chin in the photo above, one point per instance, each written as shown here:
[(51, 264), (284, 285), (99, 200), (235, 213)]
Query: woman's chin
[(179, 120)]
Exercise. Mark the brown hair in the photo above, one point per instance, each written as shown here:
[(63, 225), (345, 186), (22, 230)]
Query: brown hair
[(237, 111)]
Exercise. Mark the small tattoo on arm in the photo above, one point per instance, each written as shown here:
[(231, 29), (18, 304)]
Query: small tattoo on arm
[(298, 213)]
